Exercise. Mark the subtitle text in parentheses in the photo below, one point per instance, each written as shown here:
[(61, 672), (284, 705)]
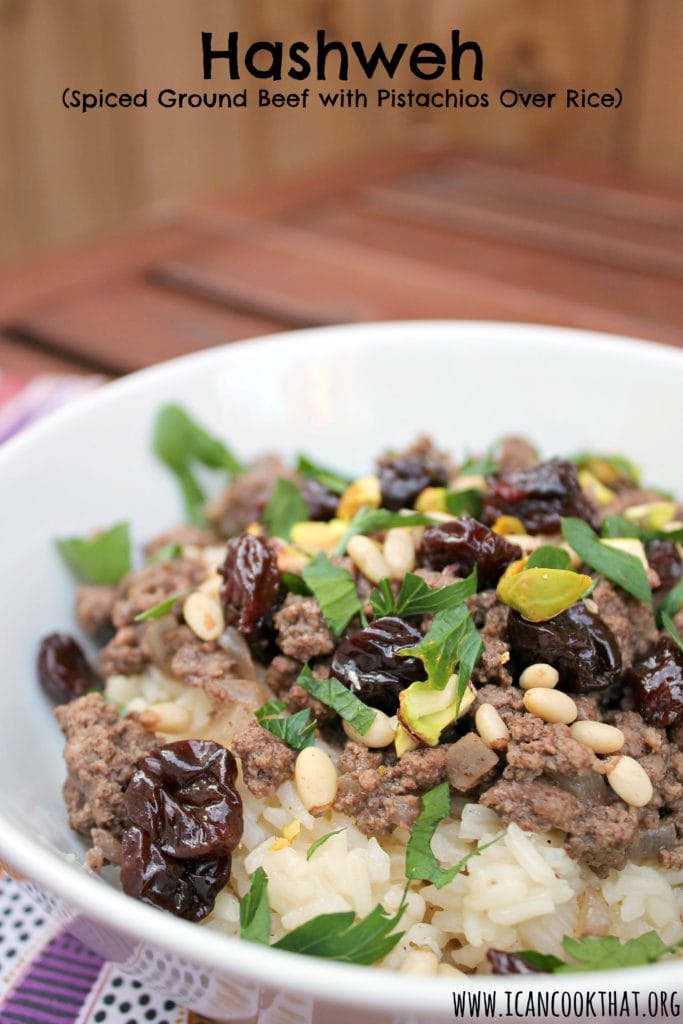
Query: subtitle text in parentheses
[(65, 97), (618, 93)]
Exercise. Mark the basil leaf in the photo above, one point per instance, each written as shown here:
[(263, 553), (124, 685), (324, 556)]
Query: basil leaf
[(180, 443), (340, 937), (468, 501), (335, 590), (328, 478), (673, 602), (371, 520), (670, 627), (548, 557), (285, 508), (417, 598), (166, 554), (270, 709), (297, 731), (334, 695), (255, 910), (321, 840), (625, 570), (619, 526), (161, 609), (103, 558), (453, 638), (421, 863)]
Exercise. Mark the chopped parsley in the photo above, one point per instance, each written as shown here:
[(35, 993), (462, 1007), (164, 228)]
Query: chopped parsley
[(328, 478), (297, 730), (417, 598), (103, 558), (371, 520), (621, 568), (336, 696), (335, 590), (285, 508), (321, 840), (166, 554), (340, 937), (161, 609), (255, 910), (602, 953)]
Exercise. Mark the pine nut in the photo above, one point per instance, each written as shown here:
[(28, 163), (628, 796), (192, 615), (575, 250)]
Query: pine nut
[(204, 616), (630, 781), (212, 585), (551, 705), (491, 727), (166, 717), (367, 557), (380, 734), (421, 962), (315, 777), (399, 552), (365, 492), (539, 674), (598, 736)]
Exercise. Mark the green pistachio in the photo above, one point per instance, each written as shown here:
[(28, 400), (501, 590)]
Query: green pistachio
[(538, 594), (425, 712)]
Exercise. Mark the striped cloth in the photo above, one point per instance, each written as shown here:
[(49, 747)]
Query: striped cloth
[(47, 976)]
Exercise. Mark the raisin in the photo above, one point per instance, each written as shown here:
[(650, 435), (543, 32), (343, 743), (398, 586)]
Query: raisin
[(369, 664), (251, 587), (577, 642), (539, 497), (322, 504), (403, 477), (187, 888), (63, 669), (464, 543), (663, 556), (509, 963), (183, 796), (657, 684)]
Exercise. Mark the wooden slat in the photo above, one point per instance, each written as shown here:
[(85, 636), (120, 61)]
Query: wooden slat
[(24, 360), (657, 143), (128, 324)]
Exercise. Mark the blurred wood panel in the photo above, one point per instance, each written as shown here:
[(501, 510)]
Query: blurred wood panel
[(64, 174)]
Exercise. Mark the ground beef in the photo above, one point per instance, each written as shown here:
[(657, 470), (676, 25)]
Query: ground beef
[(124, 654), (266, 761), (148, 587), (491, 618), (672, 859), (587, 707), (539, 748), (244, 500), (514, 454), (101, 753), (205, 665), (185, 536), (106, 849), (508, 701), (94, 608), (281, 673), (602, 836), (301, 629), (382, 795), (630, 620)]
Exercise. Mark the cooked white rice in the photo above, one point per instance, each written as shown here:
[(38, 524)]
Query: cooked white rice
[(523, 892)]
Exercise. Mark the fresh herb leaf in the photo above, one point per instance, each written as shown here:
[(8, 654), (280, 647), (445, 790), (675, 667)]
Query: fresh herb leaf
[(335, 590), (270, 709), (340, 937), (594, 953), (548, 557), (625, 570), (285, 508), (328, 478), (321, 840), (542, 961), (481, 466), (161, 609), (297, 730), (371, 520), (469, 500), (255, 910), (673, 602), (416, 598), (334, 695), (295, 584), (421, 863), (669, 626), (103, 558), (452, 639), (166, 554), (180, 443), (619, 526)]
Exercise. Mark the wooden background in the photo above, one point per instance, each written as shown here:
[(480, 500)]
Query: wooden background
[(64, 175)]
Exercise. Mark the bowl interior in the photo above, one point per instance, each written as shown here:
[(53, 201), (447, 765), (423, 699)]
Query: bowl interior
[(340, 395)]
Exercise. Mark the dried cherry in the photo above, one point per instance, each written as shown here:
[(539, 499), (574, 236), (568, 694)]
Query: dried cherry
[(539, 496), (369, 664), (577, 642), (464, 543), (251, 586), (657, 684), (403, 476), (183, 796), (187, 888), (63, 669), (509, 963), (663, 556), (322, 503)]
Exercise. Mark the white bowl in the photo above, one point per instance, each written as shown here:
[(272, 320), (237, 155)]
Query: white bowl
[(340, 394)]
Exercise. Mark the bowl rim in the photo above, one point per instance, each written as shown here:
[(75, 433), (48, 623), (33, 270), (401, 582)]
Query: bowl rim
[(329, 981)]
